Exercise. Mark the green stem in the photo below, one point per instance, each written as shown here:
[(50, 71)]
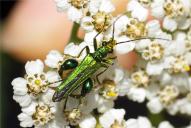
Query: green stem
[(74, 34), (156, 118)]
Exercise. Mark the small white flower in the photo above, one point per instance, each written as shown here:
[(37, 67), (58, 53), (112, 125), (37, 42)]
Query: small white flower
[(101, 5), (157, 8), (53, 58), (154, 105), (165, 124), (153, 27), (136, 9), (112, 116), (137, 94), (125, 47), (33, 85), (34, 67), (169, 24), (135, 29), (88, 122), (38, 115), (73, 116), (168, 94), (138, 123), (75, 8), (175, 13), (103, 104), (74, 14)]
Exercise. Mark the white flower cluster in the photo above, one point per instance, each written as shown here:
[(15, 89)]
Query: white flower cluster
[(161, 77)]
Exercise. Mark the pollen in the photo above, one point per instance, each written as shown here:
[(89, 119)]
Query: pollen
[(78, 3), (174, 8), (108, 91), (117, 124), (101, 20), (153, 52), (111, 94), (135, 29), (140, 78), (42, 115), (168, 95), (73, 116), (36, 84), (186, 67), (178, 64)]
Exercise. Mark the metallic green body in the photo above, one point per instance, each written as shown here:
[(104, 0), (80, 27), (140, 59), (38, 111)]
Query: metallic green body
[(89, 65)]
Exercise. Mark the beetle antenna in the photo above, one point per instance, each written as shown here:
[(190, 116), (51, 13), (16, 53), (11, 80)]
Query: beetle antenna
[(113, 31), (142, 39)]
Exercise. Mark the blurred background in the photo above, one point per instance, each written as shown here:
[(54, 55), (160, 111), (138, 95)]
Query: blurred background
[(29, 29)]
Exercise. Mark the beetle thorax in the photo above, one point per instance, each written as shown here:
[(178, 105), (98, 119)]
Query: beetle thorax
[(104, 50)]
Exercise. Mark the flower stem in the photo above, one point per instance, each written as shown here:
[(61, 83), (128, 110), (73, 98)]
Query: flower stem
[(74, 34)]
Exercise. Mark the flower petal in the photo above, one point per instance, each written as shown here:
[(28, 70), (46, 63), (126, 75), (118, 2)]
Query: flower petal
[(53, 58), (154, 105), (136, 9), (19, 86), (34, 67), (124, 48), (22, 100), (169, 24), (137, 94), (88, 122), (26, 120)]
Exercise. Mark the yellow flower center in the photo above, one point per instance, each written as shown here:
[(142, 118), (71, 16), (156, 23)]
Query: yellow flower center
[(73, 116), (178, 65), (140, 78), (135, 29), (174, 8), (168, 95), (78, 3), (108, 90), (116, 124), (36, 84), (153, 52), (101, 21), (42, 115)]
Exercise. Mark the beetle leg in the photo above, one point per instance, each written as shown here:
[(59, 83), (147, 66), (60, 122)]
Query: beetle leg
[(76, 96), (86, 88), (65, 102), (97, 76), (108, 61), (85, 48), (112, 57)]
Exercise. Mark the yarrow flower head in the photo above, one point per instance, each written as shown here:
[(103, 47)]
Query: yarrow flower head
[(80, 86)]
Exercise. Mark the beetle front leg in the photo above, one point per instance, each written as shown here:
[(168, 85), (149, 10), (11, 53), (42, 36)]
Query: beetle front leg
[(95, 41), (109, 60), (85, 48), (97, 76)]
